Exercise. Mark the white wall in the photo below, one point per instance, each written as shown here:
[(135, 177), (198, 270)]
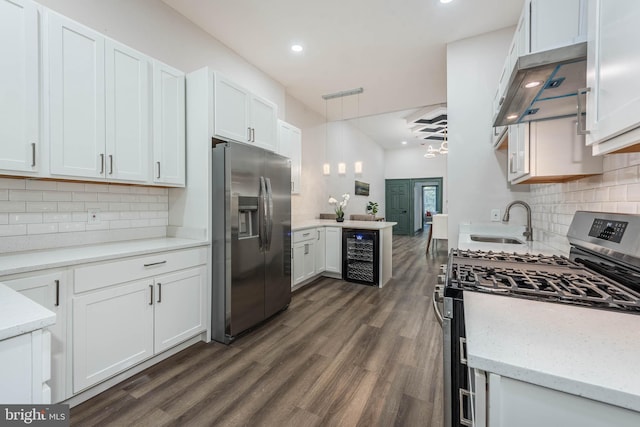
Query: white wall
[(476, 173), (347, 144), (155, 29), (310, 202)]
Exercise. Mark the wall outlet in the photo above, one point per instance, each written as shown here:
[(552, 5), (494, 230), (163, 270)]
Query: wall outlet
[(495, 214), (93, 216)]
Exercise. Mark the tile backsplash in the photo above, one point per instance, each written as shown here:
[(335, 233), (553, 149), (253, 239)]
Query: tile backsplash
[(616, 190), (46, 214)]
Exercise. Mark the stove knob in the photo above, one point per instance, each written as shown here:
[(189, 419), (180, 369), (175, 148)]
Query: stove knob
[(441, 279), (443, 268)]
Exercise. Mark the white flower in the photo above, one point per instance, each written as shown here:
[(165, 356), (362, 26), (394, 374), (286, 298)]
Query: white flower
[(340, 205)]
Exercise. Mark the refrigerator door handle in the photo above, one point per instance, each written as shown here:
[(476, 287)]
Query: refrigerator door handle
[(262, 217), (269, 213)]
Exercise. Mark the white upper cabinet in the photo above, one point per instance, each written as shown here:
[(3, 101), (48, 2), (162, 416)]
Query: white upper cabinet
[(518, 147), (76, 98), (231, 110), (127, 113), (549, 151), (290, 145), (613, 102), (19, 87), (242, 116), (264, 123), (556, 23), (168, 125), (98, 105), (99, 109)]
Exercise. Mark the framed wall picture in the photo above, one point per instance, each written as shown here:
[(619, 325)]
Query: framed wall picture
[(362, 188)]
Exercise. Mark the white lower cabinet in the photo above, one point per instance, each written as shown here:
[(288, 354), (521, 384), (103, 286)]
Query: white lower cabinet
[(49, 290), (122, 324), (180, 307), (112, 331), (333, 244), (517, 403), (304, 255), (321, 251), (23, 369), (316, 251)]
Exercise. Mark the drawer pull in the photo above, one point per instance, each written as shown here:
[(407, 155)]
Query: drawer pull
[(155, 263), (306, 234), (151, 295)]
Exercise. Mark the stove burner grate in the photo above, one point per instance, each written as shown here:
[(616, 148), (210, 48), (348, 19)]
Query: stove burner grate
[(568, 285), (513, 257)]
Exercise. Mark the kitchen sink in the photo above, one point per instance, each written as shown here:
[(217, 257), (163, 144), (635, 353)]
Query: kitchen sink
[(496, 239)]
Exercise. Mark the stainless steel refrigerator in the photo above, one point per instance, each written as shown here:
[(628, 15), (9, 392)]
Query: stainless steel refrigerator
[(251, 232)]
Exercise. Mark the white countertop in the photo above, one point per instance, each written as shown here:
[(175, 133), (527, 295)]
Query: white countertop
[(498, 229), (20, 315), (21, 262), (583, 351), (364, 225)]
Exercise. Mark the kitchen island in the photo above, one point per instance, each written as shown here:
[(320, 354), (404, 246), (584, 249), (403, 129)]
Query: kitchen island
[(566, 362), (333, 249), (534, 362), (25, 349)]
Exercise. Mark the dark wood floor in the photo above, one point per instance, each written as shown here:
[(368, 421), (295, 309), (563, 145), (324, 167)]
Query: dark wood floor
[(342, 355)]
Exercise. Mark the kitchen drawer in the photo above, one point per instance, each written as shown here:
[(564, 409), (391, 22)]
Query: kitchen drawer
[(97, 276), (303, 235)]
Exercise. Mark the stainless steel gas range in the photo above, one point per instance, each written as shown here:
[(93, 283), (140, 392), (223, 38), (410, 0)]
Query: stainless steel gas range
[(602, 272)]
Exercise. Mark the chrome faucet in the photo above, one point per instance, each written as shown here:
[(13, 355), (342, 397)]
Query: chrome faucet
[(528, 233)]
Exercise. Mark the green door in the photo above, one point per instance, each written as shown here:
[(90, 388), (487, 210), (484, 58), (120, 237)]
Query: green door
[(398, 204)]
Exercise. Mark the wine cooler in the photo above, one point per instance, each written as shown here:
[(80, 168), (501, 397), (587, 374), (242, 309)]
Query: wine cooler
[(360, 256)]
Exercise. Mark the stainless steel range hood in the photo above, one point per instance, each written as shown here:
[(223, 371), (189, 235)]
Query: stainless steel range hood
[(559, 73)]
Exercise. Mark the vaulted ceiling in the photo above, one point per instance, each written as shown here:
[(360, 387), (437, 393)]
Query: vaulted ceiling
[(394, 49)]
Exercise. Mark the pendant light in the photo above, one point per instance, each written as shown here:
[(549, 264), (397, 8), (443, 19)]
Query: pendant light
[(326, 167), (342, 167)]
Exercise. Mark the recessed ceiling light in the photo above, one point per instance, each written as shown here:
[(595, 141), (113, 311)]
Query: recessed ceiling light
[(296, 48), (445, 1), (404, 143)]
